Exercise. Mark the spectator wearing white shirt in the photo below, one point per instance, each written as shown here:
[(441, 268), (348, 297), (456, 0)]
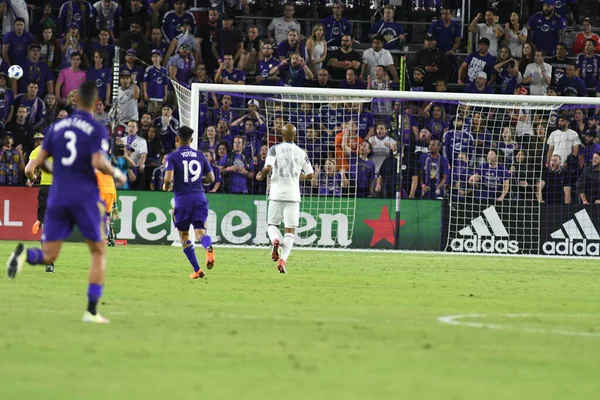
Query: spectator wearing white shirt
[(279, 27), (563, 141), (488, 29), (538, 75), (515, 35), (375, 56)]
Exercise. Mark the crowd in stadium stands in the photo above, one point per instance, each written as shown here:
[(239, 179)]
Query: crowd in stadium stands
[(445, 149)]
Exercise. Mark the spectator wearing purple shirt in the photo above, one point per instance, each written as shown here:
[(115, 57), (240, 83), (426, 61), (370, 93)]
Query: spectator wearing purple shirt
[(6, 101), (265, 65), (15, 43), (175, 18), (336, 25), (547, 28), (352, 81), (35, 70), (491, 180), (181, 65), (363, 170), (102, 44), (392, 31), (80, 12), (480, 60), (291, 45), (292, 72), (137, 73), (228, 74), (479, 86), (235, 168), (433, 172), (588, 64), (509, 74)]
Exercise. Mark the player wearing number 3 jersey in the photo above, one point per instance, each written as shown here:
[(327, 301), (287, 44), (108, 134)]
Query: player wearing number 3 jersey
[(287, 164), (185, 171), (77, 144)]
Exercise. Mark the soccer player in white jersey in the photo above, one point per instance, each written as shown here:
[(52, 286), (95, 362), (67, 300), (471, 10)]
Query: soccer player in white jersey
[(288, 164)]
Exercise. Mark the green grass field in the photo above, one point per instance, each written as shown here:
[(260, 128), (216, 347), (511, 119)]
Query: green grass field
[(339, 325)]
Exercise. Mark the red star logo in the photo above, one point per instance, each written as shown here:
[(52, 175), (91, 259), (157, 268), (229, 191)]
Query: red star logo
[(383, 227)]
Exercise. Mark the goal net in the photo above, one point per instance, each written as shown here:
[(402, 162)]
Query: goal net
[(452, 172)]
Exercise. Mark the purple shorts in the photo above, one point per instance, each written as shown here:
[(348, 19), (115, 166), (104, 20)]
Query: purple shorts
[(89, 216), (190, 209)]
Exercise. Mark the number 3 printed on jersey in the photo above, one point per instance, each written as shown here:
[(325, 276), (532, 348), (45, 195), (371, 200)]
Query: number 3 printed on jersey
[(191, 167), (72, 147)]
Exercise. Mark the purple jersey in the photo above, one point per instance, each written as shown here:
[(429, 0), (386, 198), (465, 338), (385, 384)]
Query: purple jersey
[(19, 46), (171, 23), (436, 127), (492, 181), (446, 35), (284, 49), (101, 77), (589, 69), (189, 167), (476, 62), (72, 142), (39, 72), (156, 78), (390, 31), (546, 31), (265, 66), (334, 30), (456, 142)]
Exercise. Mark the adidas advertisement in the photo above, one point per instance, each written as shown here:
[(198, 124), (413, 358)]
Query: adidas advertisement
[(491, 229), (571, 231)]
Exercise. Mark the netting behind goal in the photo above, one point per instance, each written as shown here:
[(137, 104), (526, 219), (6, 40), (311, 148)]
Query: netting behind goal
[(411, 170)]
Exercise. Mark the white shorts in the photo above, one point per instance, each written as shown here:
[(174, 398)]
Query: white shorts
[(285, 211)]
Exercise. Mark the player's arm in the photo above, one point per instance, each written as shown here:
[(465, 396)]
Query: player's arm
[(101, 163), (168, 180), (209, 178), (40, 162)]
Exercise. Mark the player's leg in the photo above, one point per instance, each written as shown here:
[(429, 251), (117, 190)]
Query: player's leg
[(96, 279), (198, 220), (41, 214), (274, 217), (291, 219), (182, 221), (90, 219), (33, 255)]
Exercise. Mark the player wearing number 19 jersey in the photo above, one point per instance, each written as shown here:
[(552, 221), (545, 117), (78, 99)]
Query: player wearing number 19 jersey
[(288, 164), (78, 144), (185, 170)]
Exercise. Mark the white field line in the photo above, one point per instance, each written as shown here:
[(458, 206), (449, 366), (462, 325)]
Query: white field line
[(457, 320)]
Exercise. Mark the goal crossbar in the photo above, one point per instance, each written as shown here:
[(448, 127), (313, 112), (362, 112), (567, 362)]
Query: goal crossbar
[(397, 95)]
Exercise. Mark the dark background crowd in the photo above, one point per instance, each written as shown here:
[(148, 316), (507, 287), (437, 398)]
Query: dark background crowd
[(504, 46)]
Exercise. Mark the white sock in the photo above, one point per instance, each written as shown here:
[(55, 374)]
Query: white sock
[(274, 233), (288, 243)]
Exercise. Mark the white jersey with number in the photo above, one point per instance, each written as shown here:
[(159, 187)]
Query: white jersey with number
[(287, 161)]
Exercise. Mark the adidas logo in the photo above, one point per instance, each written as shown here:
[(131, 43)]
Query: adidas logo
[(577, 237), (481, 239)]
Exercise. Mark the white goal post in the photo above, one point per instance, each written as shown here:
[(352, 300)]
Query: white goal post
[(478, 215)]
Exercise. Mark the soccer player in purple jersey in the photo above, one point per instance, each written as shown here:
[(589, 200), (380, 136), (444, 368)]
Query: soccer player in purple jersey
[(78, 145), (186, 170)]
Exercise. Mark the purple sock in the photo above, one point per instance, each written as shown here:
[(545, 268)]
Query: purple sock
[(94, 292), (190, 253), (206, 241), (35, 256)]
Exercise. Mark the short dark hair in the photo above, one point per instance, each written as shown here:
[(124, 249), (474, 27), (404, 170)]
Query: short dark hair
[(88, 93), (185, 133), (33, 82)]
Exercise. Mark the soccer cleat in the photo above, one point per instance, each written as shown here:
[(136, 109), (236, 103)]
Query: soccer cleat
[(15, 261), (281, 267), (36, 227), (210, 258), (275, 251), (98, 319), (197, 274), (50, 268)]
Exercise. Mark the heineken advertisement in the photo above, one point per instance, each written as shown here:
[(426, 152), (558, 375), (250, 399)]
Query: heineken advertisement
[(241, 220)]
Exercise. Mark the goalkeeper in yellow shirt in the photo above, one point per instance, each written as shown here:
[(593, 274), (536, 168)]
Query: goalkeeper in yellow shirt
[(45, 181), (108, 193)]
